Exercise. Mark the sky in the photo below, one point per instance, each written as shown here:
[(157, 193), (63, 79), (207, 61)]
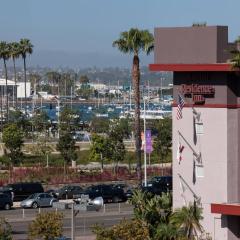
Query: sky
[(79, 33)]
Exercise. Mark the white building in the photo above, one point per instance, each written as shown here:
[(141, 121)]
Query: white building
[(20, 91)]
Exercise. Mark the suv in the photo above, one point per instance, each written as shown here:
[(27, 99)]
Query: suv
[(67, 192), (5, 201), (107, 192), (21, 191), (158, 185), (163, 180)]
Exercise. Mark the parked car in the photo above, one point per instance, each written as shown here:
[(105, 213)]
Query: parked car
[(5, 201), (159, 184), (107, 192), (164, 180), (22, 190), (8, 192), (67, 192), (38, 200)]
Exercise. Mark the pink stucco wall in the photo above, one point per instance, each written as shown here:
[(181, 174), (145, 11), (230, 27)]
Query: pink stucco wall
[(213, 145)]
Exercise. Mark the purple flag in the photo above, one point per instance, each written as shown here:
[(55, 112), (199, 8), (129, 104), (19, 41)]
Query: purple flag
[(149, 147)]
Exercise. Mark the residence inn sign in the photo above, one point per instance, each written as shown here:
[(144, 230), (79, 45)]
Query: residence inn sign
[(197, 92)]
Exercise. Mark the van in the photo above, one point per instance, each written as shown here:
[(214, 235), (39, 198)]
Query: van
[(21, 191)]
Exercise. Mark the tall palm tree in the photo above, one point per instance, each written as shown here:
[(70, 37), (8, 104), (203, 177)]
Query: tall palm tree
[(235, 60), (26, 47), (15, 53), (187, 220), (5, 54), (133, 42)]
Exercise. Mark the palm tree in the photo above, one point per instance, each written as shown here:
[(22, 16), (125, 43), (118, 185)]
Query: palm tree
[(5, 54), (166, 231), (187, 220), (133, 42), (15, 53), (25, 48), (235, 61)]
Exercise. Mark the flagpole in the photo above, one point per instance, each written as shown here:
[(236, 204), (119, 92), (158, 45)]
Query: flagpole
[(194, 152)]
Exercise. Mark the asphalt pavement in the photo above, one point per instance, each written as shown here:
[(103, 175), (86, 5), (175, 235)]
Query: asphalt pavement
[(108, 216)]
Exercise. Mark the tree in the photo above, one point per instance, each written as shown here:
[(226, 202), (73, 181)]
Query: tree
[(15, 53), (125, 230), (69, 120), (134, 41), (187, 219), (43, 147), (99, 148), (163, 141), (85, 91), (40, 121), (5, 230), (66, 146), (235, 61), (35, 81), (116, 148), (13, 139), (153, 215), (84, 79), (46, 226), (99, 125), (5, 54), (20, 120), (25, 48), (53, 80)]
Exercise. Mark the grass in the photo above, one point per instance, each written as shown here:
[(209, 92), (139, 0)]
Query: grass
[(83, 158)]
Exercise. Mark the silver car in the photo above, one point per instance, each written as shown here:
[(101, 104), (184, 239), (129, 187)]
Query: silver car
[(38, 200)]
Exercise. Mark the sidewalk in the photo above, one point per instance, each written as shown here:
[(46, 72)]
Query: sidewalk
[(86, 238)]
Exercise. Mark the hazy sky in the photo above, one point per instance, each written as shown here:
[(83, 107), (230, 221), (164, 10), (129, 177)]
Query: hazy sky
[(81, 32)]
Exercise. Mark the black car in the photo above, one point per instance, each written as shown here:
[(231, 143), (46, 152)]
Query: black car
[(107, 192), (5, 201), (67, 192), (22, 190), (159, 184), (164, 180)]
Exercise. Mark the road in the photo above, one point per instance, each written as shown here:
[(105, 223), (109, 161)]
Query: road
[(112, 214)]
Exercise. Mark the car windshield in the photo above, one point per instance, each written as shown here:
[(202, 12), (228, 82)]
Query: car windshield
[(65, 188), (32, 196)]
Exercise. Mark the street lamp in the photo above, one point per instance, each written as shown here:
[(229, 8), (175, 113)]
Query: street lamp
[(145, 145), (58, 102)]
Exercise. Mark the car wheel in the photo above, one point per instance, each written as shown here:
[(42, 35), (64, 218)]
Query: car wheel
[(115, 199), (7, 206), (34, 205)]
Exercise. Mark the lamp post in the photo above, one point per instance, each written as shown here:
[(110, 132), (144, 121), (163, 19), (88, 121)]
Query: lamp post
[(145, 145), (58, 102)]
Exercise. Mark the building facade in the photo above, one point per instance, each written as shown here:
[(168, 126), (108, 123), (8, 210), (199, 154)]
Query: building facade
[(206, 131), (13, 90)]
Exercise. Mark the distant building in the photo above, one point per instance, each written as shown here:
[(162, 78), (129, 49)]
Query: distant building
[(99, 86), (12, 90), (21, 89)]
